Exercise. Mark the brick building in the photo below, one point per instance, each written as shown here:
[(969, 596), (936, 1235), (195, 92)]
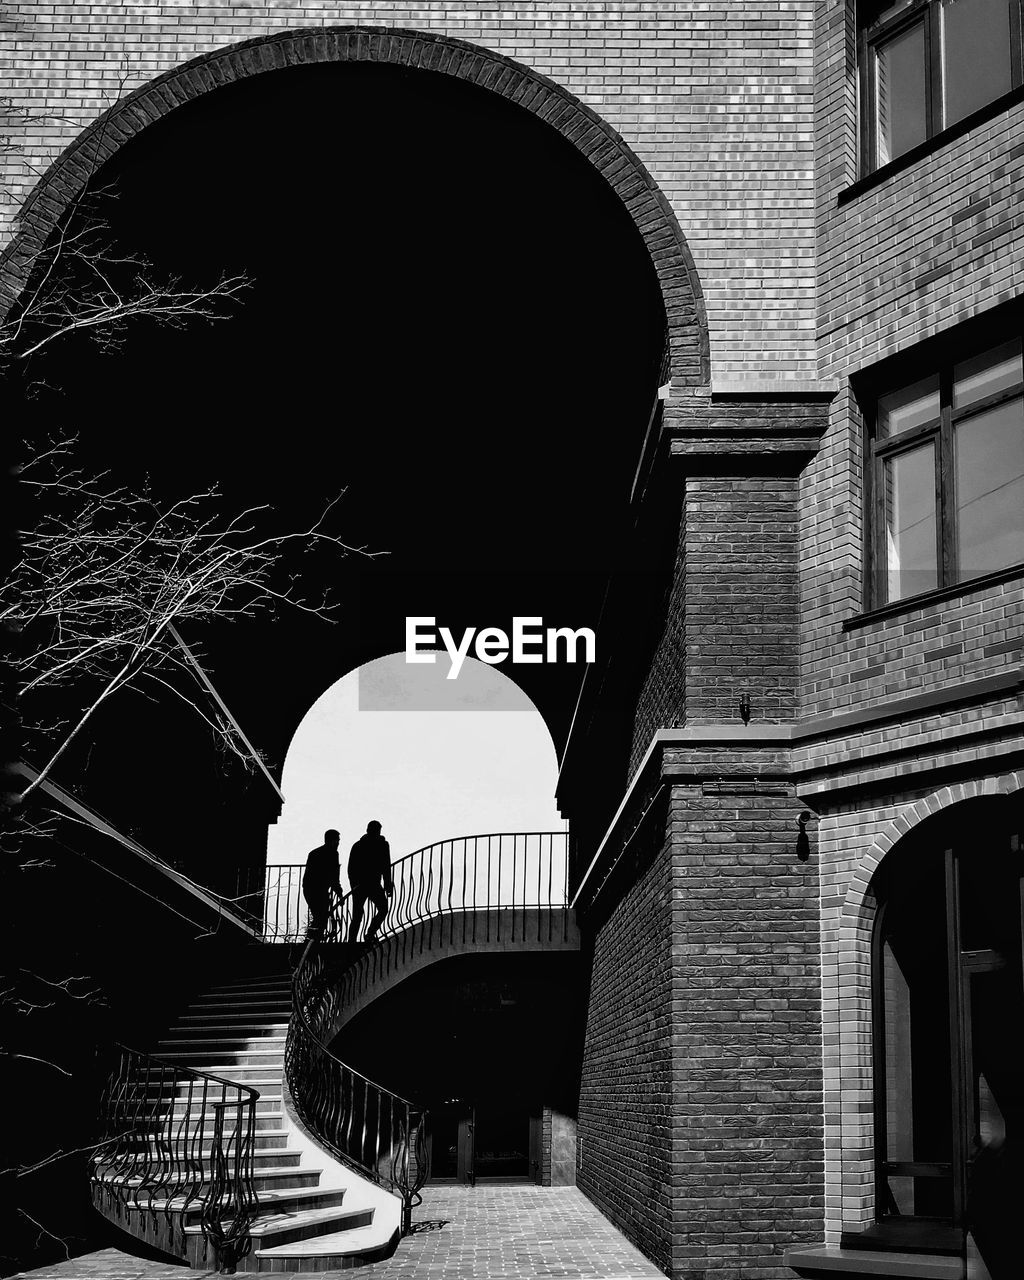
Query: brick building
[(793, 776)]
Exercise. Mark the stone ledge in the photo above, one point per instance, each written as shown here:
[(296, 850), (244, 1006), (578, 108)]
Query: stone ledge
[(829, 1261)]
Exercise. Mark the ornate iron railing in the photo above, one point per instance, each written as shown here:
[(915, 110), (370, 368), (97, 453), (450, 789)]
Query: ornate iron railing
[(180, 1143), (506, 871), (501, 878), (377, 1132)]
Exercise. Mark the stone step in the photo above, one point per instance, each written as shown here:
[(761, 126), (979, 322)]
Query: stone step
[(265, 1139), (269, 1178), (277, 1009), (248, 1074), (216, 1030), (280, 1201), (276, 1157), (255, 986), (333, 1251), (177, 1094), (270, 982), (269, 1119), (200, 1059), (203, 1029), (181, 1082), (272, 1229)]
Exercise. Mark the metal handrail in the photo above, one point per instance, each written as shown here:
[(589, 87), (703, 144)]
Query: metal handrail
[(462, 874), (152, 1159), (373, 1130), (368, 1127)]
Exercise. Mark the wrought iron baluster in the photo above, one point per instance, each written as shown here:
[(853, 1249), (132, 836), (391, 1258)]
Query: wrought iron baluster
[(382, 1136), (487, 900), (515, 842), (158, 1127)]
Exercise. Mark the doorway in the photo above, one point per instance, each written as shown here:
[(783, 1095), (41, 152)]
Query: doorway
[(947, 972)]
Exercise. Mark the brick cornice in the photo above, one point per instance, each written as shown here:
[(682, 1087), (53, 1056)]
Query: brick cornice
[(745, 425)]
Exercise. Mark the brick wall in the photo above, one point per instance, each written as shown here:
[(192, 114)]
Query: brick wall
[(625, 1130), (740, 597), (747, 1070), (703, 1025), (937, 243), (715, 99), (730, 618), (662, 698)]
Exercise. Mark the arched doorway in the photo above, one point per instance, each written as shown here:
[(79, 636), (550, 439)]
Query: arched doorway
[(946, 989), (438, 762)]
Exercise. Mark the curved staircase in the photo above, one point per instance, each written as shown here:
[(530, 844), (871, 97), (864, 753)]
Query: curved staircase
[(243, 1142), (312, 1212)]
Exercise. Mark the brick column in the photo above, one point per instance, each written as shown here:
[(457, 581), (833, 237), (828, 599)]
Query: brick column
[(700, 1113)]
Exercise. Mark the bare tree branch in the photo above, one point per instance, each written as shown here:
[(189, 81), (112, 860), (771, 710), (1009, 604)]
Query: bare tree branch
[(106, 575), (45, 1231)]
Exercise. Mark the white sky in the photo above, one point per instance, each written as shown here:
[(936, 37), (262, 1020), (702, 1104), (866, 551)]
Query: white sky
[(486, 764)]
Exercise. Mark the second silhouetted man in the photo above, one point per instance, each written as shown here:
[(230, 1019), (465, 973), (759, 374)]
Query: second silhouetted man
[(369, 875)]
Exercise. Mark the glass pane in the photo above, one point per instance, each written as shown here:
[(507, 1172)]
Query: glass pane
[(989, 457), (910, 528), (996, 1060), (987, 374), (899, 1115), (975, 55), (900, 103), (989, 895), (909, 407), (915, 1024)]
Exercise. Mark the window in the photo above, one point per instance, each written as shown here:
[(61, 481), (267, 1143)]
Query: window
[(946, 474), (949, 1080), (928, 64)]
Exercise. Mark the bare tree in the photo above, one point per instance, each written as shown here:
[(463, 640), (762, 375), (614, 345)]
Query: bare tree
[(99, 580), (106, 576), (81, 282)]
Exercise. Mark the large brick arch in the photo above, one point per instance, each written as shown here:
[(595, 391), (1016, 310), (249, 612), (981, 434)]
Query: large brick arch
[(686, 358)]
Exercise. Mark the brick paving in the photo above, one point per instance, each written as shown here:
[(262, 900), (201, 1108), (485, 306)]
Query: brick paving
[(488, 1233)]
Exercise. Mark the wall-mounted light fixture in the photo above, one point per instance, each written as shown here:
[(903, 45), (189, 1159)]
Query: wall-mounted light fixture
[(745, 707), (803, 843)]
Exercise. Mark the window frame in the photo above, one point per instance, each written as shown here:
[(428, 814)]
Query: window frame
[(940, 432), (872, 33)]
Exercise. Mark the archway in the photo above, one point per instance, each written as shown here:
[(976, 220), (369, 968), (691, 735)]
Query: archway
[(945, 982), (686, 354), (433, 759), (461, 298)]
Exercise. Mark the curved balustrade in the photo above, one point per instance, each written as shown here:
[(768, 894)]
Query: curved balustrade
[(514, 878), (377, 1132), (507, 871), (180, 1143)]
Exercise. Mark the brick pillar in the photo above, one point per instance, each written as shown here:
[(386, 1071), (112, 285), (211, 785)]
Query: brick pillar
[(747, 1159), (700, 1120), (740, 597)]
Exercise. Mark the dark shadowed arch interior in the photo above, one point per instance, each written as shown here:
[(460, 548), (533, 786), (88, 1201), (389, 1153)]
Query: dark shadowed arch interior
[(452, 315)]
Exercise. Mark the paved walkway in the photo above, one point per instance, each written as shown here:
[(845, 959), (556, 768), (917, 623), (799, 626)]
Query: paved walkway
[(459, 1233)]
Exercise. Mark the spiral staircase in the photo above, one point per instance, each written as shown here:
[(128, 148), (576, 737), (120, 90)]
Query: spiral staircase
[(241, 1141)]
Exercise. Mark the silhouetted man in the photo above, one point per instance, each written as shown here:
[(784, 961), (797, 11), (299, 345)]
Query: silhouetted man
[(369, 875), (320, 880)]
